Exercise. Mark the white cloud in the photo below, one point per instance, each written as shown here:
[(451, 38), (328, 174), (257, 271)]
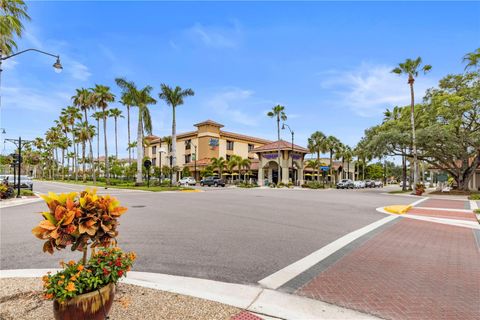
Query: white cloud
[(217, 37), (77, 70), (369, 89), (237, 105), (30, 99)]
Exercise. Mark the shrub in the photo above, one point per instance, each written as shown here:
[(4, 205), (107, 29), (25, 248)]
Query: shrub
[(313, 185), (281, 185), (290, 184), (6, 191), (106, 266), (420, 189), (26, 192), (247, 185), (272, 185), (474, 196), (477, 211)]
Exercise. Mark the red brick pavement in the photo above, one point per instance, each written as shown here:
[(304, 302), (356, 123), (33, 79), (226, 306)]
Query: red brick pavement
[(447, 204), (460, 215), (245, 315), (412, 270)]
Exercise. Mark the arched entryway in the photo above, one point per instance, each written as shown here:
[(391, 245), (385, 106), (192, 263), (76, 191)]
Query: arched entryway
[(270, 172)]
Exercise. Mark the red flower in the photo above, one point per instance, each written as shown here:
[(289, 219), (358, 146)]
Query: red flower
[(120, 273), (105, 271), (118, 263)]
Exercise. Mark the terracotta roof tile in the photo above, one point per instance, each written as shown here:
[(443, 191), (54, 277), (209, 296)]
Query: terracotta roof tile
[(284, 145)]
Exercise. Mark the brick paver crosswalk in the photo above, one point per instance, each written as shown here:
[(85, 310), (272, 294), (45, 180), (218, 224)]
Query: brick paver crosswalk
[(412, 270)]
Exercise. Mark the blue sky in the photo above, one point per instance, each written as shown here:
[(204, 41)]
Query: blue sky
[(328, 63)]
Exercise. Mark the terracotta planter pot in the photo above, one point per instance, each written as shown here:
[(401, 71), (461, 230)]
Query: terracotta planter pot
[(86, 306)]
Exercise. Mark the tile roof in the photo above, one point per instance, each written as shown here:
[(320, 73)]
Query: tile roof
[(210, 122), (284, 145)]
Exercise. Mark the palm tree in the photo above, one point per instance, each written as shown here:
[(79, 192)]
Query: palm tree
[(13, 12), (244, 164), (233, 162), (218, 163), (316, 144), (84, 132), (131, 146), (142, 99), (174, 98), (116, 113), (102, 97), (73, 114), (472, 59), (332, 144), (84, 101), (63, 143), (347, 157), (97, 116), (411, 68), (278, 112)]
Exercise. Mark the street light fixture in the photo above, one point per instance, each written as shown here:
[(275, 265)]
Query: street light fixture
[(57, 65), (291, 156)]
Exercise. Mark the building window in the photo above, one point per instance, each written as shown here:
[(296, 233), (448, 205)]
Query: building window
[(250, 147), (188, 144), (188, 158), (154, 161), (154, 150), (229, 145)]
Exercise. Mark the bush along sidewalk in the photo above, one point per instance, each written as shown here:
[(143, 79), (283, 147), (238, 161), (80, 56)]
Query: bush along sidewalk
[(84, 289)]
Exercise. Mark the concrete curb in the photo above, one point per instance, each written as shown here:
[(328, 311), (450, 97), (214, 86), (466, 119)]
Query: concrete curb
[(18, 202), (264, 302)]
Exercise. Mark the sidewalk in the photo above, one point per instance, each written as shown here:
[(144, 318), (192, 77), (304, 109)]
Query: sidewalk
[(412, 269)]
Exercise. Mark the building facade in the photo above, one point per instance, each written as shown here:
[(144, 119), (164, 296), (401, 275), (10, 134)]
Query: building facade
[(195, 149)]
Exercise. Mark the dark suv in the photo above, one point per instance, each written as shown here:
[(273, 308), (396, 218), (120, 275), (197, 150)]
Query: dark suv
[(212, 181)]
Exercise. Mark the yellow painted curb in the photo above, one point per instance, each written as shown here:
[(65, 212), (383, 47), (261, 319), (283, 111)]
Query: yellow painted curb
[(194, 190), (397, 209)]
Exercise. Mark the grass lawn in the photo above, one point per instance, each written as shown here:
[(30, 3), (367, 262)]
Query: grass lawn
[(125, 185)]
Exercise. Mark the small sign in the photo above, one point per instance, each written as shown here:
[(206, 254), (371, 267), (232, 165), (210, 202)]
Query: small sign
[(147, 163), (442, 177), (270, 155), (194, 156), (213, 143), (324, 168)]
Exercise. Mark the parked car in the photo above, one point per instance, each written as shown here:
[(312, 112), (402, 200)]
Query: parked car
[(378, 184), (369, 184), (345, 184), (359, 184), (25, 181), (407, 184), (212, 181), (187, 181)]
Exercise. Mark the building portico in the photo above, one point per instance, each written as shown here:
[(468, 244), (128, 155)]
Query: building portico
[(290, 164)]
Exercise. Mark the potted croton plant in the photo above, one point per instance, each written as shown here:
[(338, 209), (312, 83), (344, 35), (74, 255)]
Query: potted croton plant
[(83, 289)]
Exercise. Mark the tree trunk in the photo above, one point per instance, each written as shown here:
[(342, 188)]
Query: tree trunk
[(139, 147), (90, 155), (116, 138), (404, 173), (414, 143), (331, 166), (84, 162), (318, 166), (75, 155), (279, 156), (128, 134), (68, 166), (63, 163), (107, 175), (98, 146), (174, 145)]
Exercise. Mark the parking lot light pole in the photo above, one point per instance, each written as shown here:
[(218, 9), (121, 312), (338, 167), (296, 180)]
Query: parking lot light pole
[(291, 156)]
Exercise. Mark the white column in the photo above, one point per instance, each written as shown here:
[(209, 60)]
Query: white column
[(260, 175)]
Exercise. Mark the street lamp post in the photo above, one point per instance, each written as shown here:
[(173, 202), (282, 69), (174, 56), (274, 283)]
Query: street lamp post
[(160, 163), (18, 143), (291, 156)]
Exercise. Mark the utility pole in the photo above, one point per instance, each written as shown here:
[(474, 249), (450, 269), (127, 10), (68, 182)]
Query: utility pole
[(18, 143)]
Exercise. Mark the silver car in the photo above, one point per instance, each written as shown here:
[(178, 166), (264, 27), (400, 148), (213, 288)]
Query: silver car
[(187, 181)]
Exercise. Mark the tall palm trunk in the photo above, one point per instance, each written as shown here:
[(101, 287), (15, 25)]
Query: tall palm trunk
[(404, 173), (116, 138), (98, 146), (318, 166), (363, 169), (279, 174), (74, 155), (139, 147), (68, 166), (414, 142), (63, 162), (331, 166), (128, 125), (56, 162), (107, 176), (348, 170), (174, 146), (342, 174), (83, 157), (90, 155)]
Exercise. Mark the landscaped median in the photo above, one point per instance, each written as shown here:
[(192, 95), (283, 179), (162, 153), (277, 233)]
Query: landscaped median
[(125, 185)]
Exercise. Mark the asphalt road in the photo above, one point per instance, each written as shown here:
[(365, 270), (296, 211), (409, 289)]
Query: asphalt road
[(226, 234)]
